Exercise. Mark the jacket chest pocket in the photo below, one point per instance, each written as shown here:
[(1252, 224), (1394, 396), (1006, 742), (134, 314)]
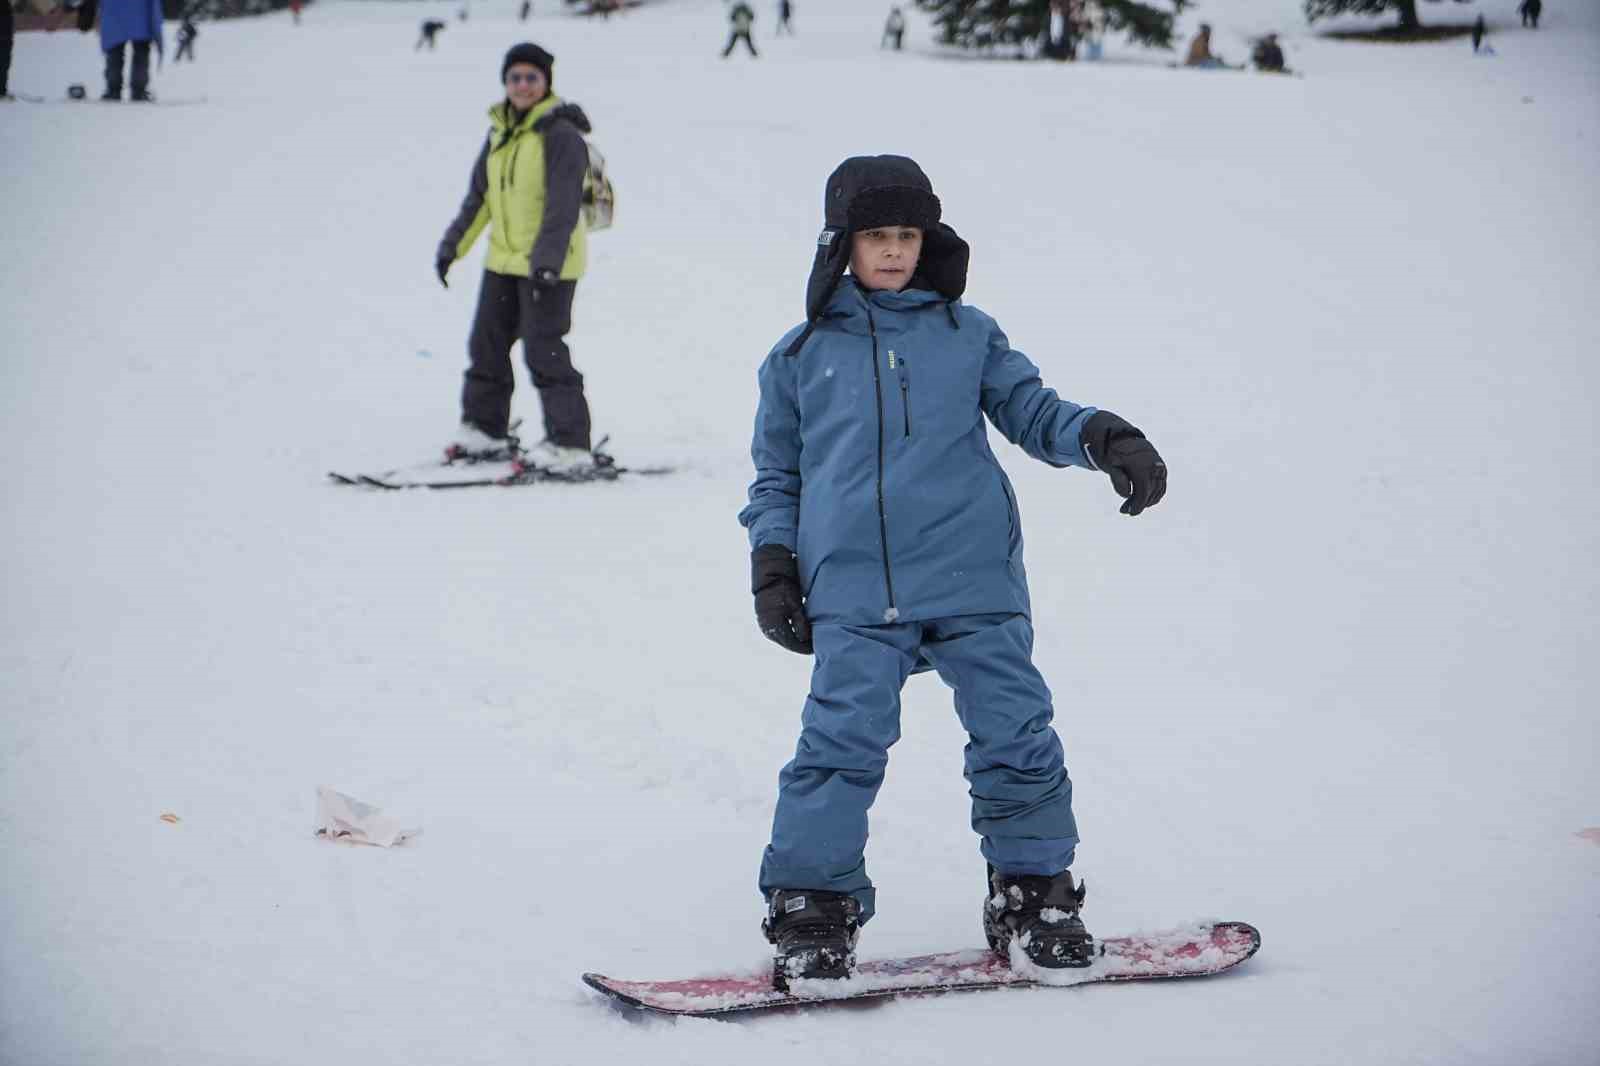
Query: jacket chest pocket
[(901, 368)]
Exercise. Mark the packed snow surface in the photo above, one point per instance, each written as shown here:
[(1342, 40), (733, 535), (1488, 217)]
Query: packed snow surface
[(1340, 684)]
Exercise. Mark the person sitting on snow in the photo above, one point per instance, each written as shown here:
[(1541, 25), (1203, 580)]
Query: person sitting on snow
[(886, 541), (1268, 55), (1200, 51)]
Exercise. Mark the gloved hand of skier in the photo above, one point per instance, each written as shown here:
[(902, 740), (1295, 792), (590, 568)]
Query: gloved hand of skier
[(780, 608), (545, 279), (441, 266), (1120, 450)]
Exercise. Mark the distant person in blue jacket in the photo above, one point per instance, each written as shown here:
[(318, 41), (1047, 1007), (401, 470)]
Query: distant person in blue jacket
[(124, 22), (886, 540)]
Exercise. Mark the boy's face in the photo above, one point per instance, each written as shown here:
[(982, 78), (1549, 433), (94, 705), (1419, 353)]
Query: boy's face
[(885, 257)]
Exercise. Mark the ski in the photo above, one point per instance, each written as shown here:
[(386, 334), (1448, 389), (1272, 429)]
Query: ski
[(514, 470), (1198, 950)]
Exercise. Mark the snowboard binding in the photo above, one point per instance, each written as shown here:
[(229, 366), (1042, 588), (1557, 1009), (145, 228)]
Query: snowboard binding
[(814, 934), (1042, 915)]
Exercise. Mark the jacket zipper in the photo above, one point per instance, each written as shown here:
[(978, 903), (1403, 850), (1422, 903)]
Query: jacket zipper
[(905, 393), (893, 613)]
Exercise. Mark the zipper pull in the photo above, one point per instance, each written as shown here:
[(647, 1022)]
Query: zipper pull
[(891, 358)]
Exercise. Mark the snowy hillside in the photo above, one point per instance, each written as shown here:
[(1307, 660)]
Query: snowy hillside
[(1340, 684)]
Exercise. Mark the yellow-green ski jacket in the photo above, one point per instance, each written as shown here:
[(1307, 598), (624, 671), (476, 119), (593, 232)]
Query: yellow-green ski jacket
[(527, 187)]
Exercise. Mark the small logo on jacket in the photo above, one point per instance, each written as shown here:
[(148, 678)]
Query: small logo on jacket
[(794, 903)]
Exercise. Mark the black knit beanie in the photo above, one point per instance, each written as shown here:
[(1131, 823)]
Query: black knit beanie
[(530, 53)]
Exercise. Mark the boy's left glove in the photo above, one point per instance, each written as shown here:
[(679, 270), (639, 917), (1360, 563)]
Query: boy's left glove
[(780, 607), (1120, 450)]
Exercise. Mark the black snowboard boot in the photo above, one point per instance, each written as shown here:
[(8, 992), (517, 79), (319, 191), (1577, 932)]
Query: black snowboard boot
[(814, 933), (1041, 913)]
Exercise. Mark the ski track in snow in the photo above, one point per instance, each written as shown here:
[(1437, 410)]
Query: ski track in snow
[(1339, 685)]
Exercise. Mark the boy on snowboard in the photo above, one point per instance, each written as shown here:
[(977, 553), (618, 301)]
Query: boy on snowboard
[(886, 540)]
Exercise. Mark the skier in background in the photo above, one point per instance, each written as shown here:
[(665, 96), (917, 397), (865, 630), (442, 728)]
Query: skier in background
[(7, 35), (1530, 12), (920, 569), (430, 30), (1094, 31), (1268, 55), (294, 9), (894, 30), (785, 13), (527, 188), (124, 22), (526, 10), (1480, 30), (741, 17), (186, 35)]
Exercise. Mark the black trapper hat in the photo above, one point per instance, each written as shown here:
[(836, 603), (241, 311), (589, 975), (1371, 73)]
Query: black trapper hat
[(882, 190)]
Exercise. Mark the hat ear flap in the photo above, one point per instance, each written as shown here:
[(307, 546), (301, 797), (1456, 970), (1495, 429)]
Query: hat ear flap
[(944, 261), (833, 255)]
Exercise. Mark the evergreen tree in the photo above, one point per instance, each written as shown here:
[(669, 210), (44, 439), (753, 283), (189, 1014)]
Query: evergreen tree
[(983, 23), (1316, 9)]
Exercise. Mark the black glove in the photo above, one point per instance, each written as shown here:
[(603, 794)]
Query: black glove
[(780, 608), (545, 279), (1137, 472), (441, 267)]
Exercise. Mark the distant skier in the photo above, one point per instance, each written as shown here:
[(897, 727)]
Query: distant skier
[(7, 34), (430, 31), (125, 22), (1480, 30), (894, 30), (1094, 31), (1200, 51), (525, 11), (918, 566), (741, 17), (1530, 12), (1268, 55), (785, 13), (527, 189), (294, 9), (186, 35)]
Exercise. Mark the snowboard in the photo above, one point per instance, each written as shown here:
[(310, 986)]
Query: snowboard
[(1197, 950)]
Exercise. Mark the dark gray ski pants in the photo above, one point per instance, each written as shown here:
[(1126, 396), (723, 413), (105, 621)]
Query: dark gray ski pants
[(512, 309), (141, 68)]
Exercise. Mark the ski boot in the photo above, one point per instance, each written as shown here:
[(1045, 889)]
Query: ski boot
[(472, 445), (558, 459), (814, 933), (1041, 914)]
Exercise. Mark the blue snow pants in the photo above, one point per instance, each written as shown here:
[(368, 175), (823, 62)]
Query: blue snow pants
[(1021, 795)]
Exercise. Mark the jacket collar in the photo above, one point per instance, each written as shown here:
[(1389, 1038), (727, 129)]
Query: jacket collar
[(504, 121), (850, 304)]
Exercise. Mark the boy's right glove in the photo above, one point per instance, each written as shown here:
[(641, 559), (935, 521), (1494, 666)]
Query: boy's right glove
[(780, 607), (441, 267), (1120, 450)]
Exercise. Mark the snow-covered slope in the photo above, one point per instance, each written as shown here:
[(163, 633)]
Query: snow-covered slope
[(1340, 684)]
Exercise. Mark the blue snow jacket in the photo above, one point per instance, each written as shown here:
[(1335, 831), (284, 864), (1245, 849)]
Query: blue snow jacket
[(873, 463), (122, 21)]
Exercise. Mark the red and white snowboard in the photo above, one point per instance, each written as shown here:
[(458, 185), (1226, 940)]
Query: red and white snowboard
[(1198, 950)]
